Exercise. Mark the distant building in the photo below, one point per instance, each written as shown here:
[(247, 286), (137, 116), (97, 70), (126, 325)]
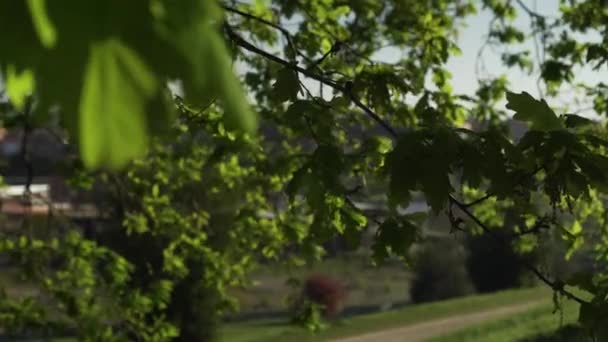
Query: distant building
[(48, 192)]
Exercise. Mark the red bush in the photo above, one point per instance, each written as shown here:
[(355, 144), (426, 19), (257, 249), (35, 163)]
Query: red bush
[(325, 291)]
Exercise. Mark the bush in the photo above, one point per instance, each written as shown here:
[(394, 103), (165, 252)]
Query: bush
[(320, 297), (325, 291), (439, 272), (310, 316)]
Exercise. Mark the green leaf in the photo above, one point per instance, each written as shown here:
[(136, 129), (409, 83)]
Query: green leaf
[(328, 165), (238, 114), (583, 280), (356, 218), (531, 139), (44, 28), (380, 95), (19, 85), (587, 314), (20, 41), (472, 164), (436, 162), (394, 237), (592, 316), (340, 102), (575, 121), (297, 111), (403, 173), (287, 85), (116, 88), (595, 140), (418, 217), (538, 113), (595, 51), (355, 221), (191, 27), (436, 187), (297, 181), (555, 71)]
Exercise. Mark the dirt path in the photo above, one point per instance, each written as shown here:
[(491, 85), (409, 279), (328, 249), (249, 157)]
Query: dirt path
[(423, 331)]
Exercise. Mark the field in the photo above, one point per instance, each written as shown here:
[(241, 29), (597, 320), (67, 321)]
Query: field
[(279, 330), (539, 320), (377, 302)]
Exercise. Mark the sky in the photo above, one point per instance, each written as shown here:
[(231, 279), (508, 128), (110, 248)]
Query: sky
[(464, 79), (472, 37)]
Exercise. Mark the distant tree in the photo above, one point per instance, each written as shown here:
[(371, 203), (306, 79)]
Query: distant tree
[(439, 272), (493, 267)]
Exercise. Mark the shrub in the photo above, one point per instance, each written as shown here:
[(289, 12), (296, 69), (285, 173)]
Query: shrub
[(325, 291), (439, 272), (309, 315), (319, 298), (495, 266)]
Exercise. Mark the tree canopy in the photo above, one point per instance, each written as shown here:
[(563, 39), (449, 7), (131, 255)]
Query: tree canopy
[(222, 132)]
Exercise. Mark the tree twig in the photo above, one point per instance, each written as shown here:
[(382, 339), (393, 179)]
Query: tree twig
[(25, 151), (528, 10), (345, 89), (490, 195), (557, 286), (479, 200), (278, 27)]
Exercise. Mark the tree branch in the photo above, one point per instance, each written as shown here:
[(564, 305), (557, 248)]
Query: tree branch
[(479, 200), (252, 48), (25, 151), (542, 223), (346, 90), (278, 27), (490, 195), (529, 10)]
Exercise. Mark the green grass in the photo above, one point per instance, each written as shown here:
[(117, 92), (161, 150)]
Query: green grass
[(535, 322), (276, 330)]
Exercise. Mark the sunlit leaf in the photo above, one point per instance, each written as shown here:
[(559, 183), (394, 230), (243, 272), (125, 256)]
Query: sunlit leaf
[(19, 85), (45, 29), (237, 110), (112, 109), (192, 29), (575, 121), (538, 113)]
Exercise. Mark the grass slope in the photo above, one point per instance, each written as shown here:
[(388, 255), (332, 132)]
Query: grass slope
[(523, 326), (276, 330)]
